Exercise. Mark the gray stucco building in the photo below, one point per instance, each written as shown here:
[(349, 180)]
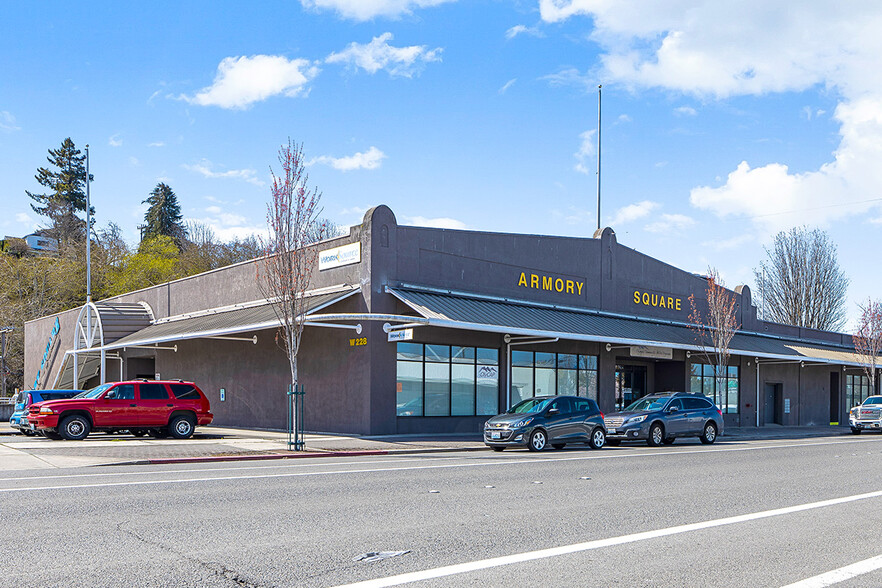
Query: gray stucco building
[(455, 326)]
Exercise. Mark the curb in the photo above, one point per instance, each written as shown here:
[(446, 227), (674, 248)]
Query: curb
[(271, 456)]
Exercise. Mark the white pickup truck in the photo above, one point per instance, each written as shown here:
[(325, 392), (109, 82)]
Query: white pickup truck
[(866, 416)]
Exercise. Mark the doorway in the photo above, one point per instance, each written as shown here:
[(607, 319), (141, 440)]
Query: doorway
[(630, 384), (772, 404), (834, 398)]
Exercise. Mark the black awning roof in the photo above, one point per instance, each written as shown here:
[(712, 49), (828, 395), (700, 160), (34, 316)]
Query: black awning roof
[(464, 311)]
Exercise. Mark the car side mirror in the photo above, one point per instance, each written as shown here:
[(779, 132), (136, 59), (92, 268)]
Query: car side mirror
[(673, 409), (553, 411), (111, 394)]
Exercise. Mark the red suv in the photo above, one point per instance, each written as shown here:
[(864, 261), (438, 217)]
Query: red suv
[(159, 408)]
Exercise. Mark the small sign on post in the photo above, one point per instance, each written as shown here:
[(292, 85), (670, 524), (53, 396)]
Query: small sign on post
[(401, 335)]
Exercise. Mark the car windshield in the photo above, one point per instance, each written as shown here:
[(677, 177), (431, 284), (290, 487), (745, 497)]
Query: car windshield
[(648, 403), (530, 405), (94, 392), (873, 400)]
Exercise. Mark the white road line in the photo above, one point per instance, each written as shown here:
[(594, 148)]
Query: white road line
[(840, 575), (484, 564), (488, 461)]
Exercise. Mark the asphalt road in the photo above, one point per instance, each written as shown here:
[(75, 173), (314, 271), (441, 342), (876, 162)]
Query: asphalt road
[(757, 513)]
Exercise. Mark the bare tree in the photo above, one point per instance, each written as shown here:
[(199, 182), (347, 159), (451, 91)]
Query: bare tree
[(868, 339), (292, 219), (800, 282), (714, 334)]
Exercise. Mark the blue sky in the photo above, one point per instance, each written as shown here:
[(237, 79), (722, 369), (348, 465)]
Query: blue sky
[(723, 122)]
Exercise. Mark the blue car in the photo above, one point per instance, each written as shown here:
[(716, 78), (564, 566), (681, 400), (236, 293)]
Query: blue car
[(25, 398)]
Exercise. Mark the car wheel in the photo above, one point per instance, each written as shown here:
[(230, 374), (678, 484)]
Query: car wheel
[(498, 448), (669, 440), (558, 445), (710, 433), (138, 432), (855, 431), (181, 427), (598, 438), (613, 442), (538, 440), (656, 435), (27, 432), (74, 428)]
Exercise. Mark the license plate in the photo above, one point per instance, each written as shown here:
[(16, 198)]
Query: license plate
[(33, 427), (611, 431), (494, 435)]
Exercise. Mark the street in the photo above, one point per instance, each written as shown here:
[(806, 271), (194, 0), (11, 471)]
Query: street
[(737, 513)]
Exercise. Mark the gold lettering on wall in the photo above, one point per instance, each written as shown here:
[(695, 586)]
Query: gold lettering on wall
[(551, 284), (657, 300)]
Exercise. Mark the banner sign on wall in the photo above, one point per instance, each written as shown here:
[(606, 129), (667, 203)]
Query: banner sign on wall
[(338, 256), (652, 352)]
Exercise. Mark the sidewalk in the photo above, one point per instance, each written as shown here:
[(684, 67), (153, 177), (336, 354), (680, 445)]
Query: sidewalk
[(232, 444)]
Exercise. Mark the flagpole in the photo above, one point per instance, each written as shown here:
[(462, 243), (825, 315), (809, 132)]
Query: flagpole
[(598, 156)]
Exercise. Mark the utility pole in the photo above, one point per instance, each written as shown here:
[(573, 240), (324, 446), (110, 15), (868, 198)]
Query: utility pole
[(598, 156), (3, 331)]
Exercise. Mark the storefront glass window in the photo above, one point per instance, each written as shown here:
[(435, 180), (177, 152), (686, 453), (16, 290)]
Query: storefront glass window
[(549, 374), (409, 399), (521, 384), (724, 393), (462, 398), (857, 389), (566, 382), (487, 394), (444, 380)]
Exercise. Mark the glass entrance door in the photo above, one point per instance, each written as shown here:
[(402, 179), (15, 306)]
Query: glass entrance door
[(630, 384)]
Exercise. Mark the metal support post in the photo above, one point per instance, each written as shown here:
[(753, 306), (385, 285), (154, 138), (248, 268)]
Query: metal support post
[(295, 417)]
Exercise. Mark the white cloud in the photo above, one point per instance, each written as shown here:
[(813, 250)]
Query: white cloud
[(7, 122), (668, 223), (754, 47), (368, 9), (134, 161), (205, 168), (632, 212), (228, 226), (242, 81), (623, 118), (685, 111), (570, 77), (156, 144), (378, 54), (586, 151), (23, 218), (370, 159), (436, 223), (507, 85), (522, 30), (115, 141)]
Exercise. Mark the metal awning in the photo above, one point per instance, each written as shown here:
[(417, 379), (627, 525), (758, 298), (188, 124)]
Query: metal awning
[(220, 322), (481, 313)]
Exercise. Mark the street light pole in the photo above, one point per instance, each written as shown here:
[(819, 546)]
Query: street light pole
[(88, 232), (598, 156)]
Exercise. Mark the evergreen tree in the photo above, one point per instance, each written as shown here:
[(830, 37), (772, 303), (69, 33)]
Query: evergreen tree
[(164, 215), (66, 196)]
